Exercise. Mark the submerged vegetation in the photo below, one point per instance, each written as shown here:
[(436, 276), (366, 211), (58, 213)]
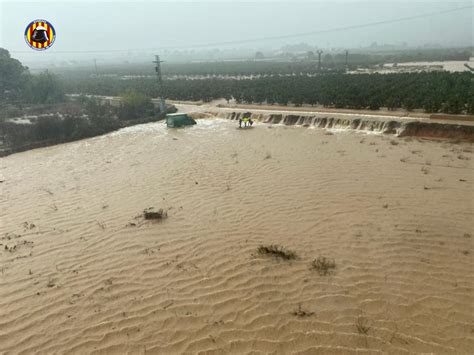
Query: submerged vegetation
[(362, 325), (324, 266), (277, 251), (149, 213)]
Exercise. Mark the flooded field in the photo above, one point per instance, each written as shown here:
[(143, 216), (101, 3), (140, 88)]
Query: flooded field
[(448, 65), (83, 272)]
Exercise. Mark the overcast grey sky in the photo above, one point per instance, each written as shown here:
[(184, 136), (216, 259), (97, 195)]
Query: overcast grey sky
[(125, 25)]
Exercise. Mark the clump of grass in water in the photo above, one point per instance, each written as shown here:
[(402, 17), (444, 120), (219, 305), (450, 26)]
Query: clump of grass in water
[(362, 326), (300, 312), (150, 214), (463, 157), (323, 265), (277, 251)]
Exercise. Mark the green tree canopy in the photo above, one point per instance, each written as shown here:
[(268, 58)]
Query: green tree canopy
[(135, 105), (43, 88), (12, 76), (17, 84)]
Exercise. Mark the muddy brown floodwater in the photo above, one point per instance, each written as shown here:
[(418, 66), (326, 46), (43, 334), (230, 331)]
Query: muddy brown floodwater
[(82, 272)]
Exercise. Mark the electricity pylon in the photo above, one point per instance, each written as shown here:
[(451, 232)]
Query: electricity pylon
[(160, 83), (319, 59)]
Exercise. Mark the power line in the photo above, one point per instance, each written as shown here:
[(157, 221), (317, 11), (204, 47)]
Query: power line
[(339, 29), (271, 38)]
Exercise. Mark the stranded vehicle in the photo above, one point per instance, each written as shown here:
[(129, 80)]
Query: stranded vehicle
[(175, 120)]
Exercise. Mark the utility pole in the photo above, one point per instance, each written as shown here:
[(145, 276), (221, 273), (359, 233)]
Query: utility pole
[(347, 56), (160, 83), (95, 65), (319, 59)]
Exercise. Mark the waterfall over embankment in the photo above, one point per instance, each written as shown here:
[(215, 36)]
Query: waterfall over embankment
[(384, 125)]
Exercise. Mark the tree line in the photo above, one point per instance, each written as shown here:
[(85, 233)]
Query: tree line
[(433, 92), (76, 119), (18, 85), (304, 63), (53, 117)]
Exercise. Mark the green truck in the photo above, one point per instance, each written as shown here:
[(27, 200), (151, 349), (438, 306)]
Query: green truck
[(174, 120)]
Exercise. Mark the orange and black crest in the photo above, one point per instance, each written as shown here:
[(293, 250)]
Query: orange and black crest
[(40, 34)]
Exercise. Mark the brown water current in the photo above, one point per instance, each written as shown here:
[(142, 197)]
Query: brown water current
[(82, 272)]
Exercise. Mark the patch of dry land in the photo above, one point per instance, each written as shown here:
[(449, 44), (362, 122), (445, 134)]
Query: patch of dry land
[(277, 240)]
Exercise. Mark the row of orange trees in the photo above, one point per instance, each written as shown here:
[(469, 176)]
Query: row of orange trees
[(433, 92)]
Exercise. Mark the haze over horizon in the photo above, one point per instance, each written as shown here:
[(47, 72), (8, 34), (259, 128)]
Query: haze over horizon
[(115, 30)]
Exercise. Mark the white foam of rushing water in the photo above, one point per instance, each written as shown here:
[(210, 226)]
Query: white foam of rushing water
[(146, 127), (161, 129)]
